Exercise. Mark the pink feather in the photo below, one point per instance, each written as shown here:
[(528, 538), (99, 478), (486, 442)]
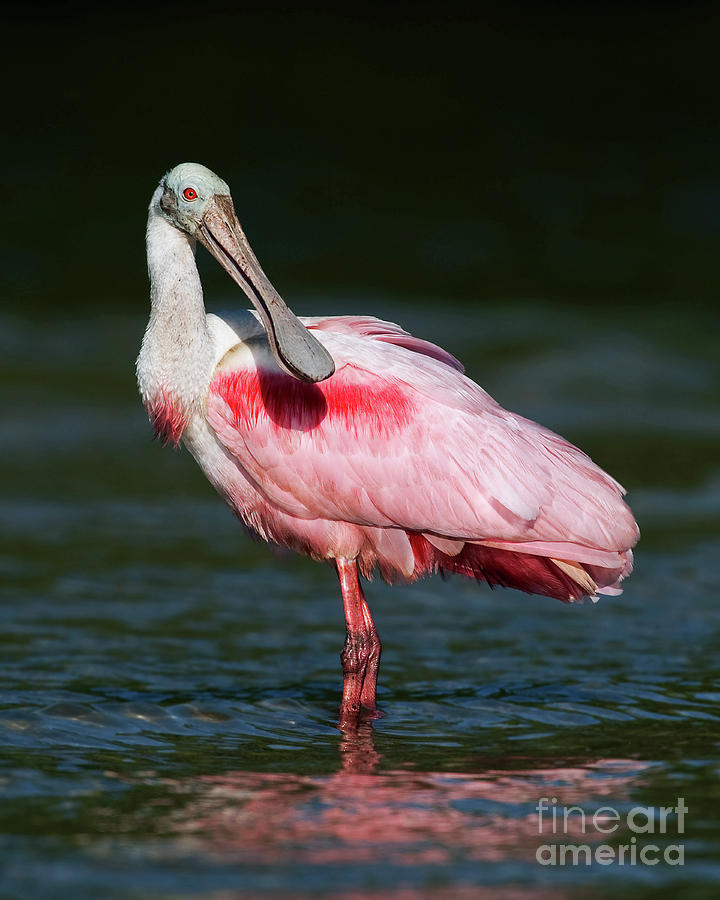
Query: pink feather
[(399, 449)]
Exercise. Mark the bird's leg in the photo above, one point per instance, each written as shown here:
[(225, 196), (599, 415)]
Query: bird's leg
[(360, 656)]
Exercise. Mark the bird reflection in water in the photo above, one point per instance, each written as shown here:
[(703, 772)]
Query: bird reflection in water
[(363, 814)]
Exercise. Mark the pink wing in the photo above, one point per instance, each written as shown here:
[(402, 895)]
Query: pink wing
[(380, 330), (399, 437)]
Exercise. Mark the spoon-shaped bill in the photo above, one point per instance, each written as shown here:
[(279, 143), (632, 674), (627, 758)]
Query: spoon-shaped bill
[(297, 351)]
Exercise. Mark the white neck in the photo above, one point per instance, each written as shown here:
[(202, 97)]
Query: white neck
[(176, 357)]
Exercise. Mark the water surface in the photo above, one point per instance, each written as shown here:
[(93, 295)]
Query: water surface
[(170, 688)]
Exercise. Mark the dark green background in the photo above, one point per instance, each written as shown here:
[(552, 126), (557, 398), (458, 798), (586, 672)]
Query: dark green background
[(534, 151)]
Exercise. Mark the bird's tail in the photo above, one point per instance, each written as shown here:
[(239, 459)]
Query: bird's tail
[(568, 580)]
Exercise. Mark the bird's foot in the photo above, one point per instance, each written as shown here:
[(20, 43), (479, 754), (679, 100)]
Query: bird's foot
[(353, 718), (360, 660)]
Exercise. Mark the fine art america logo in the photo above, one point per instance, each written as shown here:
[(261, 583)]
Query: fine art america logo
[(640, 831)]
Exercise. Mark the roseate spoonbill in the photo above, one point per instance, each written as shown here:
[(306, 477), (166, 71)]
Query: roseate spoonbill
[(350, 440)]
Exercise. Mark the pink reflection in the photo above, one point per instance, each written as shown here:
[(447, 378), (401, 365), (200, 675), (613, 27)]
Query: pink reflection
[(401, 817), (455, 892)]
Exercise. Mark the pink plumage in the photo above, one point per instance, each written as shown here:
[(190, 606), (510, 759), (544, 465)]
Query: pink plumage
[(350, 440), (167, 417), (403, 463)]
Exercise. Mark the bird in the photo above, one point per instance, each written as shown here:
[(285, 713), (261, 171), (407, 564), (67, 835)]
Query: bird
[(350, 440)]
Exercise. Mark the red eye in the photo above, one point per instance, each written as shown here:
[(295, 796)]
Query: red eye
[(190, 193)]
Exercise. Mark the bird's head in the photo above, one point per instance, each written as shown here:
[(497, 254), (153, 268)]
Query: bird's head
[(188, 192), (198, 202)]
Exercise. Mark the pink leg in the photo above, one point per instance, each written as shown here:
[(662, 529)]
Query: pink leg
[(361, 654)]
